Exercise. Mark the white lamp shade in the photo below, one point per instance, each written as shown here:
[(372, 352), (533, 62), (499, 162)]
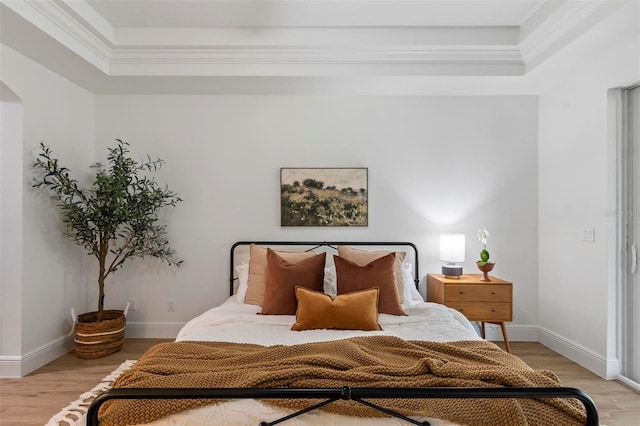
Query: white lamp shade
[(452, 247)]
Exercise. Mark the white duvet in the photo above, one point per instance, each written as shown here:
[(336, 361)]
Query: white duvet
[(241, 323)]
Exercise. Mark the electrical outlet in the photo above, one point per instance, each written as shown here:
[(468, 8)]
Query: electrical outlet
[(171, 305), (133, 305), (588, 235)]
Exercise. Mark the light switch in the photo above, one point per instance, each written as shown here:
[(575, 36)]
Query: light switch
[(588, 235)]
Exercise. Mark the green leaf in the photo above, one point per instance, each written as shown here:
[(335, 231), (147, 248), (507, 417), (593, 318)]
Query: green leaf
[(115, 218), (484, 255)]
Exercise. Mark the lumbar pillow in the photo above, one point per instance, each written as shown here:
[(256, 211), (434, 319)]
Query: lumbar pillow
[(363, 257), (258, 271), (351, 311), (284, 276), (379, 273)]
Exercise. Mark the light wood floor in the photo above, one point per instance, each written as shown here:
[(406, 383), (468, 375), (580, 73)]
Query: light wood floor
[(33, 399)]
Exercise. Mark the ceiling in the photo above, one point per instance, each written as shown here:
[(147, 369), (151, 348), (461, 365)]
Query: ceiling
[(212, 46), (308, 13)]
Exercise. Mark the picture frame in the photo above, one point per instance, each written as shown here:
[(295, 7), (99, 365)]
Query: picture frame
[(329, 196)]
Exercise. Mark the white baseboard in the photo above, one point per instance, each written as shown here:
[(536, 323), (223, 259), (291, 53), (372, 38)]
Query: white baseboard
[(20, 366), (629, 383), (515, 333), (607, 369), (153, 330), (10, 367)]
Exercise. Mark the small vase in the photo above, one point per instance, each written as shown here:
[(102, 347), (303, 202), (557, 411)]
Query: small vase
[(486, 268)]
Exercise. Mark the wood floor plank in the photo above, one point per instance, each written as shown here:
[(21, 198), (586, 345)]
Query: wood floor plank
[(33, 399), (617, 404)]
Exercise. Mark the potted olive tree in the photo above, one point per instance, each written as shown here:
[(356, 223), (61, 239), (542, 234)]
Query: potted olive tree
[(114, 219)]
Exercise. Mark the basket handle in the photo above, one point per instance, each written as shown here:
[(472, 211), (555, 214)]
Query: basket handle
[(74, 321)]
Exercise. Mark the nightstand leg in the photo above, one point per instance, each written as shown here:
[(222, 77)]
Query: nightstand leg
[(504, 335), (482, 329)]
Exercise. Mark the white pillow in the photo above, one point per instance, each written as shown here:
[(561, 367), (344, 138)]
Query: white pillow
[(242, 272), (410, 292), (409, 286), (330, 286)]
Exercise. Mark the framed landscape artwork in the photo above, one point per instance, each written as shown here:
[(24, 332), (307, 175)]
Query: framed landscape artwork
[(324, 197)]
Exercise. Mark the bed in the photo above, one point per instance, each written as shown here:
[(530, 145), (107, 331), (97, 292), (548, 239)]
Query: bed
[(330, 348)]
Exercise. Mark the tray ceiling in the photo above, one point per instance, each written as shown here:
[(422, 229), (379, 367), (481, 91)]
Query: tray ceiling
[(309, 13), (114, 46)]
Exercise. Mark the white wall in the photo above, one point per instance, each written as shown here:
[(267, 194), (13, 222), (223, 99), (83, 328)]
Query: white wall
[(11, 112), (577, 297), (435, 164), (54, 277)]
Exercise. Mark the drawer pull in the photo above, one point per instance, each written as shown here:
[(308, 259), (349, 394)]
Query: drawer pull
[(461, 292), (493, 292), (493, 310)]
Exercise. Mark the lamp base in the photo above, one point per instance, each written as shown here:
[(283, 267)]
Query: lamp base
[(452, 271)]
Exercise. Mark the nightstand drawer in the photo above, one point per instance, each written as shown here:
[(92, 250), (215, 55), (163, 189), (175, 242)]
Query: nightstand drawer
[(482, 293), (475, 311)]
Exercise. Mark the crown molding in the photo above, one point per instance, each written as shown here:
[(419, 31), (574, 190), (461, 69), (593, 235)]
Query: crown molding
[(90, 19), (65, 28), (296, 51), (543, 40), (305, 60)]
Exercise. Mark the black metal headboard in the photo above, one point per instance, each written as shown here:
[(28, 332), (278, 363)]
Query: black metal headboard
[(316, 244)]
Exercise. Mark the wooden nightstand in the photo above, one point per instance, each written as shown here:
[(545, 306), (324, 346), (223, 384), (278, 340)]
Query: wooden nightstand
[(484, 301)]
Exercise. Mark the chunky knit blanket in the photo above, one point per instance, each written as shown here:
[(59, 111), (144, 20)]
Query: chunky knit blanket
[(376, 361)]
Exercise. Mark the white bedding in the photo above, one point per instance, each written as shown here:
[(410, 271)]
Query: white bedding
[(241, 323)]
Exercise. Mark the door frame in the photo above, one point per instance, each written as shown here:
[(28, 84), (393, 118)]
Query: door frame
[(623, 229)]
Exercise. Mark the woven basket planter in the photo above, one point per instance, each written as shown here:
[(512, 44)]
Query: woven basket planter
[(97, 339)]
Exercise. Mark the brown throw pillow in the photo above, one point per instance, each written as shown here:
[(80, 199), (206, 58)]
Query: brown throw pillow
[(258, 271), (284, 276), (362, 257), (351, 311), (379, 273)]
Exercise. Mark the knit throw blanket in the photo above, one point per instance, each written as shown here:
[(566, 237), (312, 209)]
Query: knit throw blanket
[(376, 361)]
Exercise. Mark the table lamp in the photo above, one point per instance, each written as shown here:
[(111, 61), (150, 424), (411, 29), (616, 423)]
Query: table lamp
[(452, 251)]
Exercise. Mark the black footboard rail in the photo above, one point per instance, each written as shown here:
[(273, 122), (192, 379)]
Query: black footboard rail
[(345, 393)]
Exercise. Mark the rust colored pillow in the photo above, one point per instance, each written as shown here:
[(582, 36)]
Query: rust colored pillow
[(258, 271), (379, 273), (284, 276), (362, 257), (351, 311)]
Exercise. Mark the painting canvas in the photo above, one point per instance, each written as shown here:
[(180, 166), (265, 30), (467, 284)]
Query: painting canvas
[(324, 197)]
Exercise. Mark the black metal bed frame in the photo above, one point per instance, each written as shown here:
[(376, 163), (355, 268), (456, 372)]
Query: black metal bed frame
[(359, 395), (345, 393), (312, 245)]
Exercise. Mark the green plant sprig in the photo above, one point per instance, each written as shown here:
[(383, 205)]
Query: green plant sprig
[(116, 217), (483, 234)]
